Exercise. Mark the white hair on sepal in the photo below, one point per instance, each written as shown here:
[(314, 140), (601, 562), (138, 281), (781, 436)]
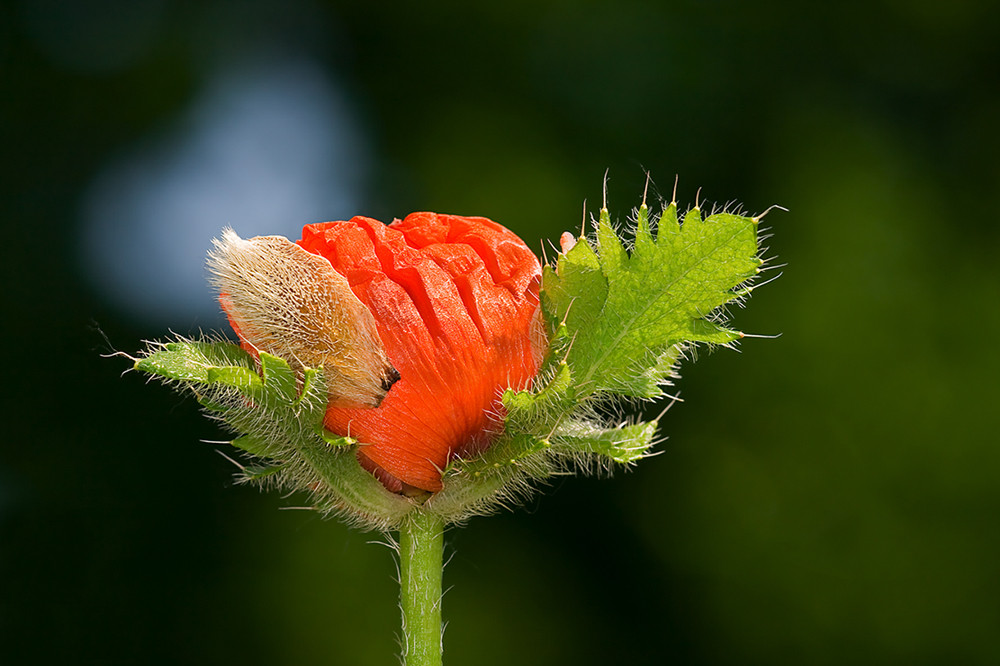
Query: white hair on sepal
[(293, 304)]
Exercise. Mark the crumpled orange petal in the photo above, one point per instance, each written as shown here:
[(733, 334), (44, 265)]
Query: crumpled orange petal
[(455, 301)]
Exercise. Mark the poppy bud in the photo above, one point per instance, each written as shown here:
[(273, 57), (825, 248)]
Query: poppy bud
[(449, 302), (455, 301)]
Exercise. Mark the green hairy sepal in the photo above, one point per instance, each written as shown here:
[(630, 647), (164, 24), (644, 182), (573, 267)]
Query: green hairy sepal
[(618, 321)]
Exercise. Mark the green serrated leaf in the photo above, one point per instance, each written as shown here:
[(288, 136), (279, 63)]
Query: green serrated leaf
[(626, 313)]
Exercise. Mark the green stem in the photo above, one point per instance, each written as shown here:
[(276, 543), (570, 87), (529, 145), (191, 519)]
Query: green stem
[(421, 541)]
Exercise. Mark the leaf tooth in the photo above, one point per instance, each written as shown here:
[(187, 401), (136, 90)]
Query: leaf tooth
[(692, 217), (643, 236), (581, 256), (667, 223), (613, 255), (604, 217)]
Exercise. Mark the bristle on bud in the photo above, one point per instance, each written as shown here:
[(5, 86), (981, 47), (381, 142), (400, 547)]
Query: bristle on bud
[(288, 302)]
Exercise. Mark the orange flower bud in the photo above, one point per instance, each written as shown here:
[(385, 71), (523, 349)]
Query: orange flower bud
[(455, 303)]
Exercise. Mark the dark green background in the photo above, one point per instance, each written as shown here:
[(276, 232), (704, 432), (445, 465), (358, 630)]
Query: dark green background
[(830, 496)]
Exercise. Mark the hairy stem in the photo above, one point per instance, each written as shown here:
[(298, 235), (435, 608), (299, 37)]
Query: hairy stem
[(421, 540)]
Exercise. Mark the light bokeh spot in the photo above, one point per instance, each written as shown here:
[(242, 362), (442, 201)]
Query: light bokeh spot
[(265, 148)]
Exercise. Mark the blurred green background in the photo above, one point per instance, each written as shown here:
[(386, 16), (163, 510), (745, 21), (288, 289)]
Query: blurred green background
[(831, 496)]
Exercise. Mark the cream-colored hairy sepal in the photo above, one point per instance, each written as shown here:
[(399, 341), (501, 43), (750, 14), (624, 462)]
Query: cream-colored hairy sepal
[(291, 303)]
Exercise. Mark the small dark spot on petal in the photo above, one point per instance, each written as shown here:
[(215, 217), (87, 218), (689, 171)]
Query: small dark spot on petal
[(389, 378)]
